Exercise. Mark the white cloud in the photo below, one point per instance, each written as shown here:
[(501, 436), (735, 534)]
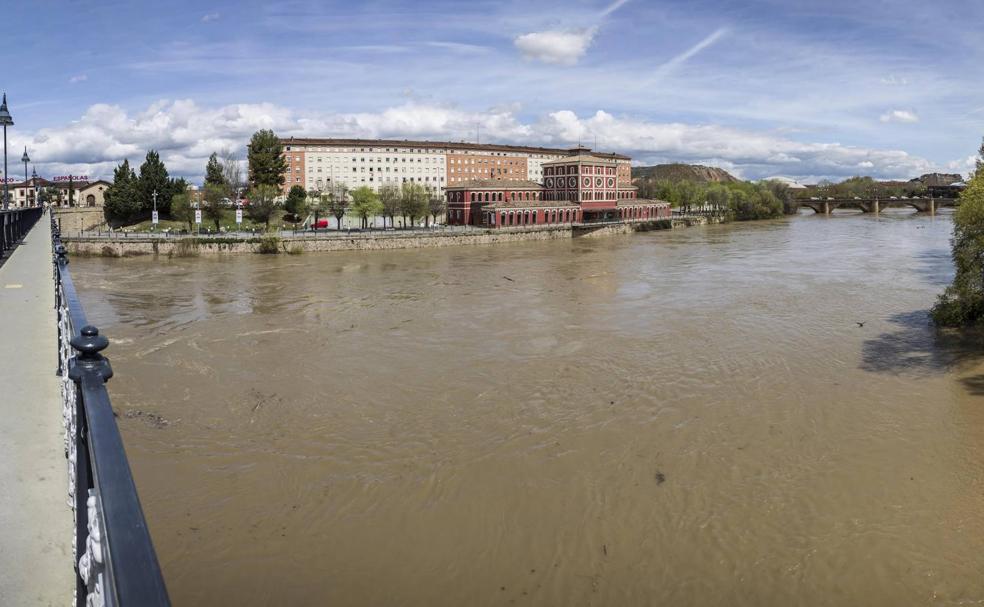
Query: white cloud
[(561, 47), (210, 17), (906, 116), (893, 80), (186, 133), (78, 78)]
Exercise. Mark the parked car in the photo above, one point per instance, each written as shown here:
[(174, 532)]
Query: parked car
[(322, 223)]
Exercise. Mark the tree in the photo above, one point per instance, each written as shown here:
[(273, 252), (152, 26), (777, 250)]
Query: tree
[(121, 201), (436, 206), (979, 164), (338, 201), (267, 163), (213, 171), (315, 205), (782, 193), (389, 197), (296, 203), (262, 203), (718, 196), (962, 303), (413, 201), (213, 206), (182, 210), (232, 175), (366, 204), (154, 178)]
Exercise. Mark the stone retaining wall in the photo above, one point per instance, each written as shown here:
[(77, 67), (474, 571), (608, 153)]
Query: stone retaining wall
[(190, 247), (75, 220)]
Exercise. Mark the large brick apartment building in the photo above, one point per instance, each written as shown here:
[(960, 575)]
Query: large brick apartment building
[(317, 164)]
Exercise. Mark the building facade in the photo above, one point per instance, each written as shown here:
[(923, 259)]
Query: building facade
[(319, 164), (580, 186), (67, 190)]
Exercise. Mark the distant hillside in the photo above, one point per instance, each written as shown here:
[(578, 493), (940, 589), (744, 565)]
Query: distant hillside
[(938, 179), (684, 172)]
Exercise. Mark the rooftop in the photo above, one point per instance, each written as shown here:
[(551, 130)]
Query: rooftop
[(587, 157), (447, 145), (496, 184)]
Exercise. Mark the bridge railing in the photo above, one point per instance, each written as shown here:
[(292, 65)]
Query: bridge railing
[(114, 557), (14, 224)]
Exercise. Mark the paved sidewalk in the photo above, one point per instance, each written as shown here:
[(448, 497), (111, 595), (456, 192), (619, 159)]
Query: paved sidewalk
[(36, 530)]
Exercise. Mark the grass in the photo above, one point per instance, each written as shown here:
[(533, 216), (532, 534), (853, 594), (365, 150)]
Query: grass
[(228, 222)]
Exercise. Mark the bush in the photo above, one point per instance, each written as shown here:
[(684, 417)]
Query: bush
[(269, 244)]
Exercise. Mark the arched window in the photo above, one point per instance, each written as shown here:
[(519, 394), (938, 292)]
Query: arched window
[(90, 201), (534, 216), (502, 220)]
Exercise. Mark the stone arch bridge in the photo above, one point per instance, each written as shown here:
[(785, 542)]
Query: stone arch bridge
[(874, 205)]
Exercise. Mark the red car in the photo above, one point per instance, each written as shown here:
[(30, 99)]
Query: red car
[(322, 223)]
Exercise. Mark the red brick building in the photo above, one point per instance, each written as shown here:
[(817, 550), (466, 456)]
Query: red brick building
[(582, 186)]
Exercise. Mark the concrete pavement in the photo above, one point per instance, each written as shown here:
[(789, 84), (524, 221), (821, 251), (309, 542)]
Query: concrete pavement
[(36, 530)]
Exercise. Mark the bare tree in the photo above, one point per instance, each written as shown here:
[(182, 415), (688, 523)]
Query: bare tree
[(232, 173)]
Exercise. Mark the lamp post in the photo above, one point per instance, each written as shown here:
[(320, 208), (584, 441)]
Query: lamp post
[(6, 120), (37, 189), (25, 160)]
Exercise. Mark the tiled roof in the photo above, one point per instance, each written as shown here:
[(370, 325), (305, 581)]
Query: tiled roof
[(634, 202), (584, 157), (496, 184), (448, 145)]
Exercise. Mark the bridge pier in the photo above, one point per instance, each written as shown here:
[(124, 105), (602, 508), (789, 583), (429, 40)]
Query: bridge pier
[(876, 206), (826, 208)]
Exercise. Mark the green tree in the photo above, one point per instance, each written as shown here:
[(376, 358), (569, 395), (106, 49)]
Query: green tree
[(213, 171), (315, 205), (413, 202), (152, 178), (366, 204), (389, 197), (962, 303), (262, 203), (213, 204), (182, 210), (783, 193), (122, 203), (267, 163), (436, 205), (296, 203), (338, 202), (718, 196)]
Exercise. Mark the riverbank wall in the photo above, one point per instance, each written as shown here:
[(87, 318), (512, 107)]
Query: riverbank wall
[(186, 246)]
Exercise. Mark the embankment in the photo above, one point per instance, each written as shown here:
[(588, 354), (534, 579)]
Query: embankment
[(134, 245)]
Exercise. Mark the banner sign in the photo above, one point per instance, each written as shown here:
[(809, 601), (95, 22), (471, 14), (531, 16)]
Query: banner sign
[(153, 217), (239, 215), (75, 178), (198, 216)]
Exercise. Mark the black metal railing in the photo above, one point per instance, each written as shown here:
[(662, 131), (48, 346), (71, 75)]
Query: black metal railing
[(14, 225), (115, 559)]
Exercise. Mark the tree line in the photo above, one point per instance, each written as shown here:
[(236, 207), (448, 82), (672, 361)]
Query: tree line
[(409, 201), (741, 200)]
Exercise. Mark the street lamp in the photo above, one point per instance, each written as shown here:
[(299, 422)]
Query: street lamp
[(25, 160), (6, 120), (37, 189)]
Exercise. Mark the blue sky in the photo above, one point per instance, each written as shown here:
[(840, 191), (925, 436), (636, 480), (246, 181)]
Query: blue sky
[(794, 88)]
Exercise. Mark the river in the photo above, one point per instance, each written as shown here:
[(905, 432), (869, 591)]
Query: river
[(689, 417)]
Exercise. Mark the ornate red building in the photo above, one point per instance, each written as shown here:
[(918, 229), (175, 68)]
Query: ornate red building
[(581, 187)]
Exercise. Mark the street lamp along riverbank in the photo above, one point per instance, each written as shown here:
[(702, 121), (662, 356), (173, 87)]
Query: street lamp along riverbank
[(6, 120)]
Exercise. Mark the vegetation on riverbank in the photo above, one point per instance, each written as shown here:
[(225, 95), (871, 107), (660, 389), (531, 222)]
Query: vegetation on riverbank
[(739, 200), (962, 303)]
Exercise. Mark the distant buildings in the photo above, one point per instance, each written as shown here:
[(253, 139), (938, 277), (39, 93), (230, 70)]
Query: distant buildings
[(580, 186), (63, 190), (317, 164)]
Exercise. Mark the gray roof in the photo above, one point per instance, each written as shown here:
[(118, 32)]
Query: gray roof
[(496, 184)]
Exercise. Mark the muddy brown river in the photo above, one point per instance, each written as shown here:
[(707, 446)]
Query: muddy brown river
[(673, 418)]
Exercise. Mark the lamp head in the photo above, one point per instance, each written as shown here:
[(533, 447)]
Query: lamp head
[(5, 118)]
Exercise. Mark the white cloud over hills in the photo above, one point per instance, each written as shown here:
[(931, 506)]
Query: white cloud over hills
[(185, 133)]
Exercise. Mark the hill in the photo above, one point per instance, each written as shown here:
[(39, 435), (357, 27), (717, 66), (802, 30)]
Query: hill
[(684, 172)]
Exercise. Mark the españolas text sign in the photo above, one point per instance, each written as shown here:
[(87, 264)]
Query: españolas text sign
[(79, 179)]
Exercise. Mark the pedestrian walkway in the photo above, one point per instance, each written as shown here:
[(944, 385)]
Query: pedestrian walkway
[(36, 530)]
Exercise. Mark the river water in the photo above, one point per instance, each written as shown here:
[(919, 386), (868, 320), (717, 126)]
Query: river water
[(672, 418)]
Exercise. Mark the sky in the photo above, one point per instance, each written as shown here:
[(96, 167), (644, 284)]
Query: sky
[(795, 88)]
